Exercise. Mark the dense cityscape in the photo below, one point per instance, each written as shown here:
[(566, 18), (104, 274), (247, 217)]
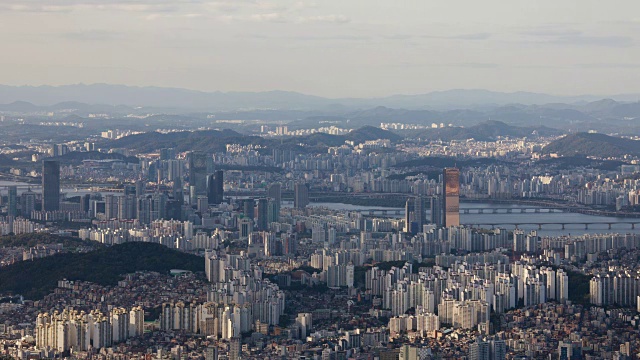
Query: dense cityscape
[(319, 180), (370, 244)]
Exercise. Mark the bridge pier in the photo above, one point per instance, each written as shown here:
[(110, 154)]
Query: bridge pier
[(586, 226), (539, 226), (536, 210), (495, 211), (509, 211), (562, 226), (633, 226), (609, 226)]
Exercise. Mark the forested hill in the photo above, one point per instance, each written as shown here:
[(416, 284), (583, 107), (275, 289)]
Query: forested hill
[(595, 145), (37, 278)]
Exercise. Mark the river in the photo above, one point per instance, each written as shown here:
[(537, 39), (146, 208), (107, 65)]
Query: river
[(542, 217)]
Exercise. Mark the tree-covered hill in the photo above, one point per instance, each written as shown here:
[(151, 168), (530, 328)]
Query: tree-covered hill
[(597, 145), (35, 279)]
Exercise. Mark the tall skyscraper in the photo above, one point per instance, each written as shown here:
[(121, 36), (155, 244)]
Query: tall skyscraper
[(198, 172), (263, 214), (215, 187), (415, 214), (409, 206), (248, 208), (419, 212), (436, 210), (275, 192), (451, 203), (301, 195), (50, 185), (28, 202), (12, 206)]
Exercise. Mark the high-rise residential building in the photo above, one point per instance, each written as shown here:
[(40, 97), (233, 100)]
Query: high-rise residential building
[(215, 187), (479, 350), (50, 185), (110, 206), (28, 203), (198, 172), (235, 345), (301, 195), (451, 203), (12, 206)]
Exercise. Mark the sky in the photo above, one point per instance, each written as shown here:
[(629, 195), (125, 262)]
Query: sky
[(331, 48)]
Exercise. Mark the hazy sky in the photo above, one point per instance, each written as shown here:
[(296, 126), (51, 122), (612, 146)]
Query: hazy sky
[(332, 48)]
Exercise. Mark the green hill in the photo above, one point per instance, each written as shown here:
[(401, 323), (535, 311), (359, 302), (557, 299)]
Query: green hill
[(487, 131), (216, 141), (596, 145), (37, 278)]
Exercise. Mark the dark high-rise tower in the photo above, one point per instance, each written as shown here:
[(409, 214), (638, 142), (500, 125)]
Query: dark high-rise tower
[(198, 172), (451, 196), (248, 208), (275, 193), (263, 214), (50, 185), (215, 187), (301, 196), (436, 210), (12, 208)]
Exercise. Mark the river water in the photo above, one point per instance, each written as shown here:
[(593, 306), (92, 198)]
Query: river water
[(542, 217)]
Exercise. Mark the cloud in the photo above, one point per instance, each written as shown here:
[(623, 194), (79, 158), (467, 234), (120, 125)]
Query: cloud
[(559, 35), (334, 19), (118, 5), (92, 35), (269, 17), (471, 36), (585, 40), (608, 66), (476, 65)]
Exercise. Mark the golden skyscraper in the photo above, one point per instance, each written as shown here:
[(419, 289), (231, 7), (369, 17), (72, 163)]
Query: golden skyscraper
[(451, 197)]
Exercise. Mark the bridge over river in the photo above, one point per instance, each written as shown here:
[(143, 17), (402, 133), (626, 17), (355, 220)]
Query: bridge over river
[(473, 210), (600, 225)]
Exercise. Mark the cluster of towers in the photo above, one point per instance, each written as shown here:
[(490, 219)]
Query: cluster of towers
[(444, 209)]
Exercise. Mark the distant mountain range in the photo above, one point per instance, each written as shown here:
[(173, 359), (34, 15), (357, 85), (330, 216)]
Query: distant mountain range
[(216, 141), (73, 96), (487, 131), (596, 145)]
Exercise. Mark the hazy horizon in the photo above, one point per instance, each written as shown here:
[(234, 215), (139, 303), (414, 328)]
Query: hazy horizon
[(332, 48), (373, 97)]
